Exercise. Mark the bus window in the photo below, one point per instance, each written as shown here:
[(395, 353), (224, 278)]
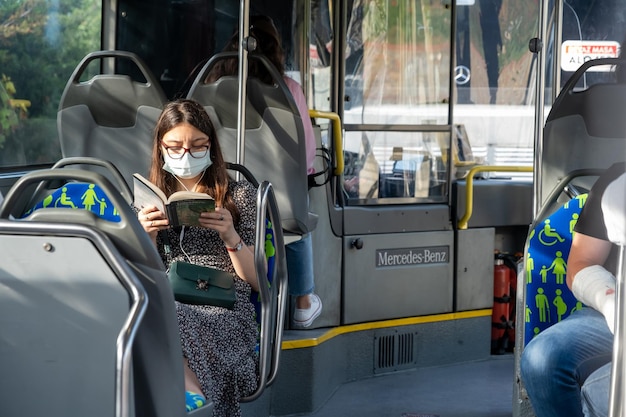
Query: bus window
[(42, 41), (174, 38), (320, 49), (396, 165), (494, 79), (589, 31), (397, 101), (397, 63)]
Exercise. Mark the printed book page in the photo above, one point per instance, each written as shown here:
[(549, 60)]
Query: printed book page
[(146, 194)]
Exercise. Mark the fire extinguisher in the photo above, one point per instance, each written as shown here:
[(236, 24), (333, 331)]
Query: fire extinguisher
[(500, 317), (512, 263)]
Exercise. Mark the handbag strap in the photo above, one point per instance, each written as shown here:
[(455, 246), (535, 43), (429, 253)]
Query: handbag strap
[(166, 246)]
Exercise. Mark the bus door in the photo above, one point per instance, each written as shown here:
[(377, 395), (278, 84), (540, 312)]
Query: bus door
[(398, 240), (411, 102)]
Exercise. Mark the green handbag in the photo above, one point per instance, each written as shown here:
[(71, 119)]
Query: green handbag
[(195, 284)]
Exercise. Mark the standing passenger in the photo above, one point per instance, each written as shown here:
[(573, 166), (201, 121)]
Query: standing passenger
[(299, 254), (218, 343)]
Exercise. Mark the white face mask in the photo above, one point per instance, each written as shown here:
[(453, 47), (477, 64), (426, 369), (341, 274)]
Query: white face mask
[(187, 166)]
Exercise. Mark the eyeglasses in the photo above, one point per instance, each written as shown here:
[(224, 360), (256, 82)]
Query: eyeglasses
[(177, 152)]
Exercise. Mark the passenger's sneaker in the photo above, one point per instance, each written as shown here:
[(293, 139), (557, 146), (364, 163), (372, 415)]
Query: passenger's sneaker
[(194, 400), (303, 317)]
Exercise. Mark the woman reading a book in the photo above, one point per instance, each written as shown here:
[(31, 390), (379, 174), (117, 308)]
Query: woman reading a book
[(218, 343)]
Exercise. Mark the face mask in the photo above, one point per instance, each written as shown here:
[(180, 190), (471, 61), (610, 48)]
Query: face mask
[(186, 167)]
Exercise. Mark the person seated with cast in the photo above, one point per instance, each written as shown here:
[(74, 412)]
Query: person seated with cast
[(566, 368)]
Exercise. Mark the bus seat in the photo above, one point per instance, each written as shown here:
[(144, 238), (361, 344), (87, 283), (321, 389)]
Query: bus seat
[(274, 138), (42, 193), (269, 307), (85, 318), (271, 300), (548, 298), (584, 129), (51, 195), (79, 195), (111, 115)]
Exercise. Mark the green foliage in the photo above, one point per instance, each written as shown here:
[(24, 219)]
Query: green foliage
[(8, 115), (41, 42), (34, 141)]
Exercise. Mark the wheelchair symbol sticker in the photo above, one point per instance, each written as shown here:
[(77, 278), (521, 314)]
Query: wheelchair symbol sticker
[(548, 236)]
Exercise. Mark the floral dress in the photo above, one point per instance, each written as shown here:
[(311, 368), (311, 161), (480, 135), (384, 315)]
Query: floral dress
[(219, 343)]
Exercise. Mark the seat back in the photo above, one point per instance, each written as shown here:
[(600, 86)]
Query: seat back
[(584, 129), (111, 116), (584, 134), (79, 195), (548, 298), (274, 137), (53, 334), (86, 316)]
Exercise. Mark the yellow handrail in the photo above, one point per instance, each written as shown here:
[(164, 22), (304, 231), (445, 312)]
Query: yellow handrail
[(469, 187), (337, 136)]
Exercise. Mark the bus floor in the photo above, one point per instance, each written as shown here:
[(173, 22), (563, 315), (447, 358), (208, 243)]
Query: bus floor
[(471, 389)]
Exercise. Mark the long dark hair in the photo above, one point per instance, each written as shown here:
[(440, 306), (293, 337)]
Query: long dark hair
[(262, 28), (215, 179)]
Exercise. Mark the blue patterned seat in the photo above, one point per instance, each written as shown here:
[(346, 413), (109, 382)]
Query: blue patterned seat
[(270, 254), (548, 299), (80, 195)]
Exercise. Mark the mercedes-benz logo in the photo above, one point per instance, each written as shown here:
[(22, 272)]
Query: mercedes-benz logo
[(462, 74)]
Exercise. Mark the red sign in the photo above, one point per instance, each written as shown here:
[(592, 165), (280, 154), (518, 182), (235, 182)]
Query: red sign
[(576, 53)]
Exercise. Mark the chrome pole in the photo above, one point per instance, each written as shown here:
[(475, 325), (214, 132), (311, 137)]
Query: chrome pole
[(541, 51), (616, 390), (244, 30)]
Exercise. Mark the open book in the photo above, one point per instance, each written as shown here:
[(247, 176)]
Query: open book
[(182, 208)]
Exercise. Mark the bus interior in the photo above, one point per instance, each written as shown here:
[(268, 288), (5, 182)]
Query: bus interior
[(448, 133)]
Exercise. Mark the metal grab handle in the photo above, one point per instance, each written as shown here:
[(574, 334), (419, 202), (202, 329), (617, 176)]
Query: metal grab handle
[(99, 55), (337, 136), (270, 337), (128, 233), (469, 189)]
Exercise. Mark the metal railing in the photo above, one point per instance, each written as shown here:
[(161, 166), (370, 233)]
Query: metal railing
[(469, 189)]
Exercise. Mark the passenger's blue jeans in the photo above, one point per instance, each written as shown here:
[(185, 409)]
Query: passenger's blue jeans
[(596, 392), (299, 256), (556, 363)]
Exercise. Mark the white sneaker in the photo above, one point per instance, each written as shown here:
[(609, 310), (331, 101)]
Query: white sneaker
[(303, 317)]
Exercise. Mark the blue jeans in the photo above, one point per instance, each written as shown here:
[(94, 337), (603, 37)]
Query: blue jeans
[(299, 256), (556, 363), (596, 392)]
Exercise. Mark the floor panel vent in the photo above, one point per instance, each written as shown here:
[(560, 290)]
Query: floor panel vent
[(394, 351)]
